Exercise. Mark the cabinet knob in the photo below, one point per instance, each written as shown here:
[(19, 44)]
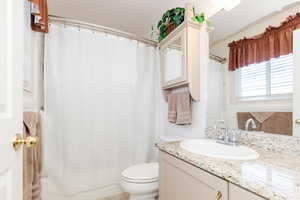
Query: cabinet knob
[(297, 121), (219, 195)]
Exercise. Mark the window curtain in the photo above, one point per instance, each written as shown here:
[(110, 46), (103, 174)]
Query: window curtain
[(102, 115), (39, 16), (273, 43)]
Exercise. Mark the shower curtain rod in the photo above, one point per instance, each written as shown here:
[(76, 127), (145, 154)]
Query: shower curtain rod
[(80, 24)]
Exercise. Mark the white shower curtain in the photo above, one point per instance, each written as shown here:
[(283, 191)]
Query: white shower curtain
[(102, 101)]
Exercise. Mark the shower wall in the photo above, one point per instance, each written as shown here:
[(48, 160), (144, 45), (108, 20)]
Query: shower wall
[(102, 114)]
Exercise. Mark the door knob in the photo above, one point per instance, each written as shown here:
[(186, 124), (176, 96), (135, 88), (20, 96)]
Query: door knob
[(219, 195), (297, 121), (30, 141)]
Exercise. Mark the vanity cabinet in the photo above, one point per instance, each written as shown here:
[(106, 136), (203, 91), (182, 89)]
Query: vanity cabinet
[(180, 180), (237, 193)]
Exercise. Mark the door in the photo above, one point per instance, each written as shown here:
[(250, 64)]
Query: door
[(11, 60), (182, 181), (296, 90)]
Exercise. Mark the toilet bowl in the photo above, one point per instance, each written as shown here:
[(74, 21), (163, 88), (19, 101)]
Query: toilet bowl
[(141, 181)]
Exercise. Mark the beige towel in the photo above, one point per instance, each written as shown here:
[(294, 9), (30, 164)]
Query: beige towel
[(32, 164), (184, 112), (172, 98), (261, 116)]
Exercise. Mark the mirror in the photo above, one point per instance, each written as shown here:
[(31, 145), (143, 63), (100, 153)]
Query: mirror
[(173, 61), (263, 96)]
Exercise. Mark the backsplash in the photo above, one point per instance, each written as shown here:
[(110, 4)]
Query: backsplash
[(270, 142), (277, 122)]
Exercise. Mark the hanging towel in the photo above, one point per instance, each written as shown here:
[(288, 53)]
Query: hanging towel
[(261, 116), (183, 105), (172, 115), (32, 164)]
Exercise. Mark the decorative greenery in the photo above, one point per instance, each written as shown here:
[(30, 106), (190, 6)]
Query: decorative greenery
[(200, 18), (175, 16)]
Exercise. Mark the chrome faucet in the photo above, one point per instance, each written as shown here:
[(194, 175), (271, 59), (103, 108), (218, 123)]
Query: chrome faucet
[(248, 122), (225, 138)]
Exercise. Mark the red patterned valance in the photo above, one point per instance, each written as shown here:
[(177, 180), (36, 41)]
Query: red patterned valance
[(274, 42), (39, 17)]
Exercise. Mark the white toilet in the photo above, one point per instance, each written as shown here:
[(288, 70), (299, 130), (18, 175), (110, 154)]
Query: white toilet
[(141, 181)]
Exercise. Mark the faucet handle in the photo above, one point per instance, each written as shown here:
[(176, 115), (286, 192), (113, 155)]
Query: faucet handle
[(218, 122), (234, 139), (220, 137)]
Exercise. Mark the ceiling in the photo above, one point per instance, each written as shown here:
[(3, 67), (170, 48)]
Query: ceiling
[(133, 16), (137, 16)]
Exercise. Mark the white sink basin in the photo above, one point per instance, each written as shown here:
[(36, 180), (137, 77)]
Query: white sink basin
[(211, 148)]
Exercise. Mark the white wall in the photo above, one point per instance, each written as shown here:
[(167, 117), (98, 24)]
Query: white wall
[(221, 49), (33, 68), (296, 94), (215, 93), (207, 110)]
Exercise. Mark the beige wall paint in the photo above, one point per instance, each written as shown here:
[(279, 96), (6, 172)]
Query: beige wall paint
[(221, 49)]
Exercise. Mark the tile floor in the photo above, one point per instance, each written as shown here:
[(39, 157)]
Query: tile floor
[(119, 197)]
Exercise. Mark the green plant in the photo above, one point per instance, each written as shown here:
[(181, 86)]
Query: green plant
[(200, 18), (173, 16)]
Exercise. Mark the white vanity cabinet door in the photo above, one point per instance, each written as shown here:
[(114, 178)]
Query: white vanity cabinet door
[(182, 181), (237, 193)]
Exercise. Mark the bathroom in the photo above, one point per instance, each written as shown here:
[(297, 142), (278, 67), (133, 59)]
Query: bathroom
[(148, 100)]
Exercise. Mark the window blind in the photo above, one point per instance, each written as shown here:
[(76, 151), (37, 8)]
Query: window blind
[(266, 79)]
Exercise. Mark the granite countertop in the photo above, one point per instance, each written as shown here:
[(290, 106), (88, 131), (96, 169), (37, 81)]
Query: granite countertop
[(274, 175)]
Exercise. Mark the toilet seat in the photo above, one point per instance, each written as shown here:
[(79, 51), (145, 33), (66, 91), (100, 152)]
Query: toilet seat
[(142, 173), (140, 181)]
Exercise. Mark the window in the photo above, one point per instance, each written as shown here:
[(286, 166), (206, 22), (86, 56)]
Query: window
[(266, 80)]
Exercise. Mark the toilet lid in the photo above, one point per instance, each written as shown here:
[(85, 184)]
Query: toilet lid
[(142, 172)]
